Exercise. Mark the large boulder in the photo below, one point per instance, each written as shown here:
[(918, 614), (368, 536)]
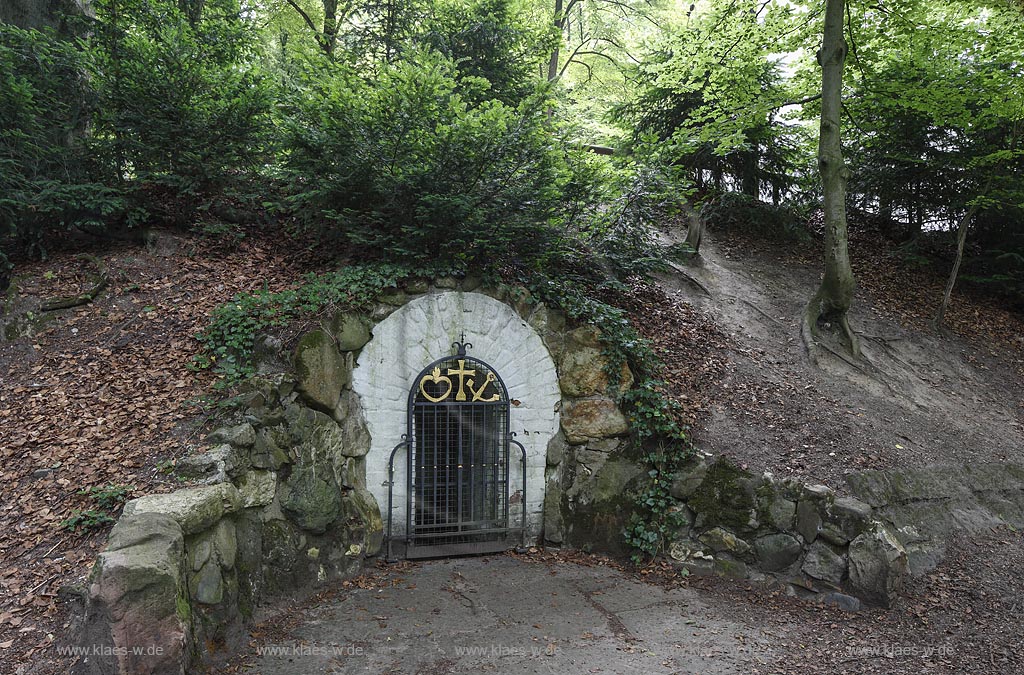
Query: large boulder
[(878, 566), (592, 418), (137, 612)]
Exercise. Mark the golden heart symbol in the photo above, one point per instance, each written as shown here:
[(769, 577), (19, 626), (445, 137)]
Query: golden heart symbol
[(436, 377)]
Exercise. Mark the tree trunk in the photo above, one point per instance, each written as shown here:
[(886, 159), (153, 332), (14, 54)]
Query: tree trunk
[(831, 303), (750, 183), (961, 240), (555, 54), (192, 9), (694, 229), (330, 26)]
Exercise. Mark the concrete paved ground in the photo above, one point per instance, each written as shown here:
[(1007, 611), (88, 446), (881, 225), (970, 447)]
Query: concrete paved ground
[(503, 614)]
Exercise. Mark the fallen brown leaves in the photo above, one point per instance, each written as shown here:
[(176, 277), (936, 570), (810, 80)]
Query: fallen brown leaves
[(98, 398), (688, 342)]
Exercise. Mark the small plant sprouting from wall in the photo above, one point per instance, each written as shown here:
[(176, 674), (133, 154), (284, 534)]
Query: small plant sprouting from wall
[(108, 499)]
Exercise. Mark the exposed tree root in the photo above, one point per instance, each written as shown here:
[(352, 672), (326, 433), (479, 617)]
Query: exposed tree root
[(681, 271), (760, 311), (100, 281), (809, 332)]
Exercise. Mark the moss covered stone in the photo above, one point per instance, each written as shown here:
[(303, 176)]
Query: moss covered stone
[(725, 497), (321, 370), (194, 509), (350, 331), (311, 498)]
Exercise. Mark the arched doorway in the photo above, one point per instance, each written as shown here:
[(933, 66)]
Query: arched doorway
[(458, 452)]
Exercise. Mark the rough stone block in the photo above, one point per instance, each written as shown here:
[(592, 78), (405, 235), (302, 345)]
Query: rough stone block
[(808, 520), (689, 478), (213, 466), (776, 552), (720, 539), (878, 566), (136, 612), (825, 564), (583, 372), (321, 370), (350, 331), (592, 418), (240, 436), (355, 436), (195, 509), (257, 487), (311, 498)]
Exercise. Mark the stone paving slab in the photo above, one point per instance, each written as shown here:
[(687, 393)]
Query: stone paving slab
[(506, 615)]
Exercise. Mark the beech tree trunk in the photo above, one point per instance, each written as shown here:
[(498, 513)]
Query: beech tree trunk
[(694, 229), (330, 26), (556, 52), (830, 305)]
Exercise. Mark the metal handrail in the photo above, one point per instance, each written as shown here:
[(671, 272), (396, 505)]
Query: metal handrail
[(522, 522), (391, 486)]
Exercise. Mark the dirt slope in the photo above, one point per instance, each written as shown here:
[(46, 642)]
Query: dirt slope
[(918, 398)]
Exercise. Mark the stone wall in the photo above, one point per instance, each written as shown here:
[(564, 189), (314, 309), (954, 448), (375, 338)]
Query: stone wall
[(924, 506), (281, 507), (824, 547)]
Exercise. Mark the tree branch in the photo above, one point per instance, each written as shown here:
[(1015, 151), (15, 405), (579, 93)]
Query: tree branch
[(309, 22)]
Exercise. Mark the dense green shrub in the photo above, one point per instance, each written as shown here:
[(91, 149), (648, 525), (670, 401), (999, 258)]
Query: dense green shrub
[(43, 110), (181, 103), (407, 167)]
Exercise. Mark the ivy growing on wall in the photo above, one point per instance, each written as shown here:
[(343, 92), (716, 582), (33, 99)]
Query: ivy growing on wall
[(227, 344), (659, 436)]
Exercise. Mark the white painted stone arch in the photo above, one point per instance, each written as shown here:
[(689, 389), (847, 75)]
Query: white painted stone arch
[(422, 331)]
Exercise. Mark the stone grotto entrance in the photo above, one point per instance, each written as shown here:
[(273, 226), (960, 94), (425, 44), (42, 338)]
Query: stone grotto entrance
[(461, 399), (458, 449)]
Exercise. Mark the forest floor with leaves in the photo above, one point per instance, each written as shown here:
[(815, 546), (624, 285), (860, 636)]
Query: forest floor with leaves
[(104, 394), (101, 397)]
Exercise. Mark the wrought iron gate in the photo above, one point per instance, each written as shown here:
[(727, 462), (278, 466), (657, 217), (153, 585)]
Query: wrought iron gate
[(457, 447)]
